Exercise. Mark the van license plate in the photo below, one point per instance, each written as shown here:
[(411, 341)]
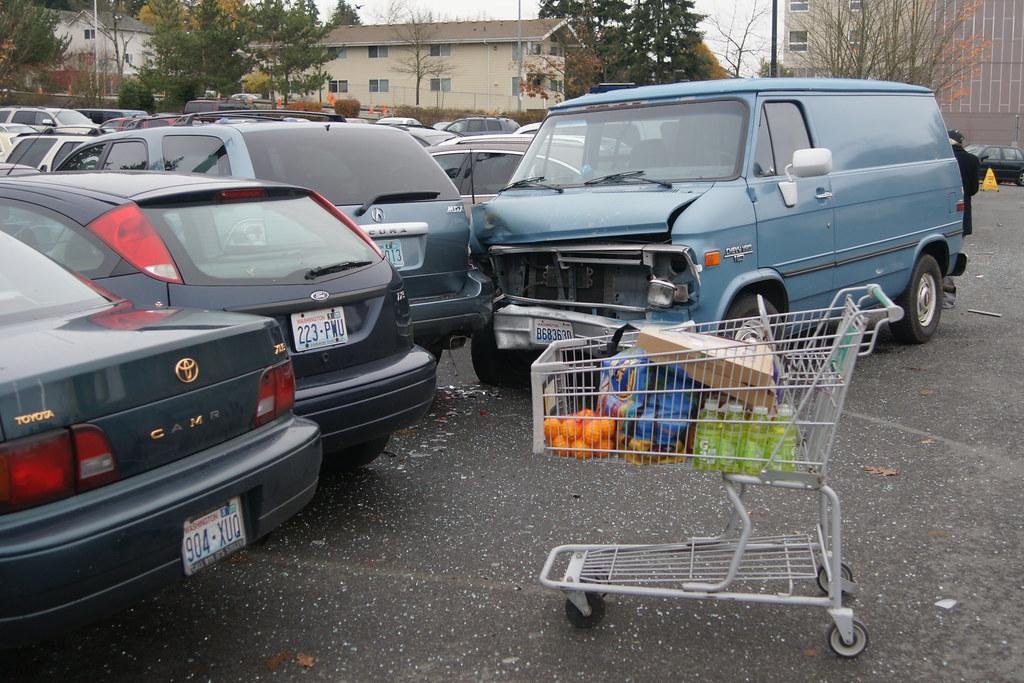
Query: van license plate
[(315, 329), (547, 331), (208, 538), (392, 252)]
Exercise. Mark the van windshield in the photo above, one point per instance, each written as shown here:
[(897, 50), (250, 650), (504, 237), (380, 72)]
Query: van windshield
[(673, 142)]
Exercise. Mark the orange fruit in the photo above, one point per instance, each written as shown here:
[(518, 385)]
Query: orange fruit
[(581, 449), (552, 428), (603, 447), (593, 432), (559, 444), (586, 412), (608, 428), (572, 429)]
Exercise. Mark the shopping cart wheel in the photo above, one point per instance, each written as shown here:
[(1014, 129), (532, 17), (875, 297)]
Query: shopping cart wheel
[(847, 574), (849, 650), (576, 618)]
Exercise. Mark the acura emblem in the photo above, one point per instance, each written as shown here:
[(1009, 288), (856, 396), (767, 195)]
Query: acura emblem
[(319, 295), (377, 215), (187, 370)]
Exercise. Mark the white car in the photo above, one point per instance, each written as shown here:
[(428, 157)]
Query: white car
[(41, 118), (9, 133), (45, 152), (398, 121), (528, 129)]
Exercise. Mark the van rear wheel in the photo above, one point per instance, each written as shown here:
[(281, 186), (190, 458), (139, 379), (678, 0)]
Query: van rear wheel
[(921, 303)]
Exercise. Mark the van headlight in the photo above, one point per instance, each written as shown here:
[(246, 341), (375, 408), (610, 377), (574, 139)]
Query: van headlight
[(664, 294)]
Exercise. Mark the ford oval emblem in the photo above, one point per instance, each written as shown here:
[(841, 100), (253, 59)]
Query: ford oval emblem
[(319, 295)]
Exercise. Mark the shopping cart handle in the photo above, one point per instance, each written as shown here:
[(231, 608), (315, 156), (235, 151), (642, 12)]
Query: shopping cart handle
[(893, 310)]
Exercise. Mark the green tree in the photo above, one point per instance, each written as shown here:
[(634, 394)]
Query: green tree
[(287, 39), (664, 42), (199, 46), (344, 14), (135, 95), (27, 40)]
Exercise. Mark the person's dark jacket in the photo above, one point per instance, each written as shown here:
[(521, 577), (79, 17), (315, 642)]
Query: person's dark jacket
[(969, 168)]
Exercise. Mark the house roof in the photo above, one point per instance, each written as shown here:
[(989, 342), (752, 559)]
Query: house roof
[(124, 23), (447, 32)]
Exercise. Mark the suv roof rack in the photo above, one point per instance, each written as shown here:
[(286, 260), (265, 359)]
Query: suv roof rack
[(260, 114)]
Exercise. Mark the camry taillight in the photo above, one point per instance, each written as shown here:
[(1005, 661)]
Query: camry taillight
[(276, 393), (349, 223), (47, 467), (127, 231)]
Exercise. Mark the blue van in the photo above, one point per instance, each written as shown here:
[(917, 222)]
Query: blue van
[(679, 202)]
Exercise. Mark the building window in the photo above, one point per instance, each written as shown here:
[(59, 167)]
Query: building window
[(441, 85), (798, 41), (441, 50), (528, 49), (378, 85), (337, 53), (127, 57), (799, 5), (378, 51), (90, 34), (337, 86), (555, 50), (854, 37), (557, 86), (855, 5), (515, 86)]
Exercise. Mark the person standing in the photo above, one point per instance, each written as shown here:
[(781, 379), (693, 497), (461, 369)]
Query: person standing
[(969, 169)]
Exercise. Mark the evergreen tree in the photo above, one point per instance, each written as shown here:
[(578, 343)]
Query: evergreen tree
[(288, 35), (344, 14), (27, 40), (665, 41)]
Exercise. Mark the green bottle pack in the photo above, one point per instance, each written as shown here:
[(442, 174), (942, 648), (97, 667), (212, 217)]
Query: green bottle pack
[(708, 436)]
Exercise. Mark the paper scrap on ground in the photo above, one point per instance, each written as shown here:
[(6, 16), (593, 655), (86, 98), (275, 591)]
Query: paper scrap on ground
[(947, 603)]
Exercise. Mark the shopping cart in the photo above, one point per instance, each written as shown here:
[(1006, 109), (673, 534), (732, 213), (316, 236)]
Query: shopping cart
[(755, 400)]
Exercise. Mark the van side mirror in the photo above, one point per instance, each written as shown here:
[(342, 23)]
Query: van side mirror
[(808, 163)]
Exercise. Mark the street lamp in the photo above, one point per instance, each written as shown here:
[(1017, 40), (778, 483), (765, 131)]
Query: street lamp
[(519, 61), (773, 67), (96, 42)]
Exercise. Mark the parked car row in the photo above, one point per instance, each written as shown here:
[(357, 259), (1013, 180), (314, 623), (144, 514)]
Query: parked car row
[(353, 245)]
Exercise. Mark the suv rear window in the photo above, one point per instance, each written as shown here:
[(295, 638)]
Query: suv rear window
[(347, 163), (274, 241), (196, 154)]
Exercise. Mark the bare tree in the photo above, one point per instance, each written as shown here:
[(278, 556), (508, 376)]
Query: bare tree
[(927, 42), (118, 36), (738, 35), (417, 31)]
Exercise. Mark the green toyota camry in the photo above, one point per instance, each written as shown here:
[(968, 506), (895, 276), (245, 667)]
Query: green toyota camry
[(136, 446)]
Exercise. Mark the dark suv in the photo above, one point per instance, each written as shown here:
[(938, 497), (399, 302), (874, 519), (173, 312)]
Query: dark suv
[(482, 125), (377, 175), (162, 239), (1007, 163)]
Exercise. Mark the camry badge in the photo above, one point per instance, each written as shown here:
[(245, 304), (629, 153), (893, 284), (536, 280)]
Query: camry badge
[(319, 295), (377, 215), (187, 370)]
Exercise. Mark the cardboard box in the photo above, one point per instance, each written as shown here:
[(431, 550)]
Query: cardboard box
[(743, 370)]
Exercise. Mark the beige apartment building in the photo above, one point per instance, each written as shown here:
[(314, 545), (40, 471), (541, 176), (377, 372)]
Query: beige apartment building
[(462, 64)]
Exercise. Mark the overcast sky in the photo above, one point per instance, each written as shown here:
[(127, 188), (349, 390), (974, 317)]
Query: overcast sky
[(371, 11)]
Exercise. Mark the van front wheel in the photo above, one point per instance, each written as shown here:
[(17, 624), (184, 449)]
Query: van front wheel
[(496, 367), (921, 303)]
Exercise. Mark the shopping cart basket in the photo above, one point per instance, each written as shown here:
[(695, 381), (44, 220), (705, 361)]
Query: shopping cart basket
[(755, 400)]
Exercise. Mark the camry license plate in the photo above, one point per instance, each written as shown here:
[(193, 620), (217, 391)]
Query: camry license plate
[(392, 252), (208, 538), (547, 331), (316, 329)]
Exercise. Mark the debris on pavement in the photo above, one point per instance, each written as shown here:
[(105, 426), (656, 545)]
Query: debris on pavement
[(947, 603), (988, 313)]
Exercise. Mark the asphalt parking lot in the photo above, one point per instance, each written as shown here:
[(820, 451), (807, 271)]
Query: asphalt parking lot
[(424, 566)]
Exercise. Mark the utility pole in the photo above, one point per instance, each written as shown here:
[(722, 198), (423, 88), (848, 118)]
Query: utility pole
[(519, 61), (96, 43), (773, 68)]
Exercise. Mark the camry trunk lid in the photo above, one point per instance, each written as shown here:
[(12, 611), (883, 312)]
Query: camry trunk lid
[(161, 384)]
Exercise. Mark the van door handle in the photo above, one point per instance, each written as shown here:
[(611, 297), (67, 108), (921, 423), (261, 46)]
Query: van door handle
[(823, 194)]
